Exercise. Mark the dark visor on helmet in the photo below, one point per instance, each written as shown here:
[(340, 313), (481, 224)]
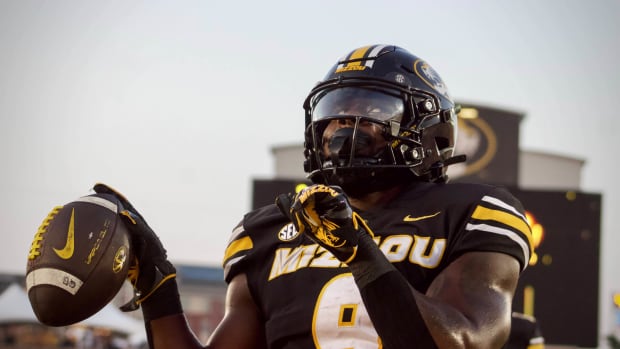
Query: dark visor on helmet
[(358, 102)]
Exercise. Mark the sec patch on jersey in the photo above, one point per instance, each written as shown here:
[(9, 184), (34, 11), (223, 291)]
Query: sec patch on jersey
[(78, 260)]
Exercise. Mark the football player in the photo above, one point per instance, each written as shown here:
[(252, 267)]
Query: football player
[(380, 252)]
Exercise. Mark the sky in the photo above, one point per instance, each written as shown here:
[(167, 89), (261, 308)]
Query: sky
[(177, 104)]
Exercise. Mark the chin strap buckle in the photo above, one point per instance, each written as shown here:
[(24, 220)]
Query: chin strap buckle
[(455, 160)]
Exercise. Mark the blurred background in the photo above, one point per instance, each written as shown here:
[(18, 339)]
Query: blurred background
[(193, 110)]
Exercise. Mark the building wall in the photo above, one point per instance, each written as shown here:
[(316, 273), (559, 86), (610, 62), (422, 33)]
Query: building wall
[(540, 170)]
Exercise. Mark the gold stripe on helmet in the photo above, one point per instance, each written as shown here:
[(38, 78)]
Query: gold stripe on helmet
[(356, 56)]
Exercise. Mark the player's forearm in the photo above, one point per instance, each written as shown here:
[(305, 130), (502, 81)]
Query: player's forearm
[(166, 325), (389, 299), (172, 331)]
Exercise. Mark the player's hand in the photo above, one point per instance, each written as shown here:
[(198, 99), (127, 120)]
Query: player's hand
[(325, 215), (151, 267)]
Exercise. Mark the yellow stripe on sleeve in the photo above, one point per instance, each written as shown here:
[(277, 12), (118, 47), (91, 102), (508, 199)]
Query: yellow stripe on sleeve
[(245, 243), (486, 214)]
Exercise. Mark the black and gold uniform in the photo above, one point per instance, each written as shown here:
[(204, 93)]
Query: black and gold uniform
[(309, 299)]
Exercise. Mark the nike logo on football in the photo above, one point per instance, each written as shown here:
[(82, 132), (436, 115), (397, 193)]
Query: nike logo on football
[(408, 218), (67, 251)]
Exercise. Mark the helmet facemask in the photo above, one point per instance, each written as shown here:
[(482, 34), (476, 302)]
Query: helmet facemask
[(355, 138)]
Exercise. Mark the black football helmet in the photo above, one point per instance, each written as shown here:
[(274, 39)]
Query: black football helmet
[(397, 91)]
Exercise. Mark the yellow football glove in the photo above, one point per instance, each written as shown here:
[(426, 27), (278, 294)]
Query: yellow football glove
[(325, 215)]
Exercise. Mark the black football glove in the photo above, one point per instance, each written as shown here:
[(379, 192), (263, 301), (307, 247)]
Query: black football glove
[(151, 267), (325, 215)]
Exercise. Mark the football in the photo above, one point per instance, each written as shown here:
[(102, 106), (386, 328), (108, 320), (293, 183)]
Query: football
[(78, 260)]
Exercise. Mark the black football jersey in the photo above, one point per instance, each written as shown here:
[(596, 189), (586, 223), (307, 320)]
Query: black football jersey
[(309, 299)]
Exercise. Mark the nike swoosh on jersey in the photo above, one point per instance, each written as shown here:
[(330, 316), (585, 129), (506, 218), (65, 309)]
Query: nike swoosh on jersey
[(67, 251), (408, 218)]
